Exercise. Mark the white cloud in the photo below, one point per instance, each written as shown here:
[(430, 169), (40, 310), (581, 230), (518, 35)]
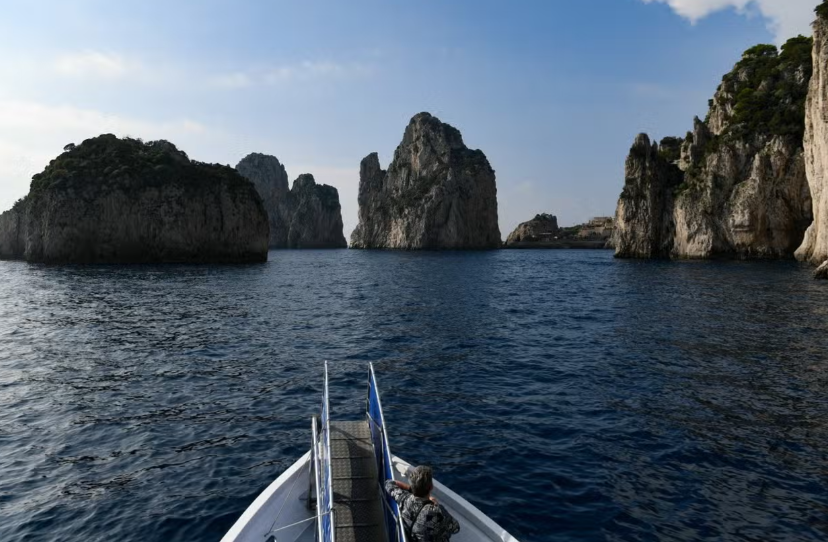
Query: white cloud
[(785, 18), (24, 117), (92, 64)]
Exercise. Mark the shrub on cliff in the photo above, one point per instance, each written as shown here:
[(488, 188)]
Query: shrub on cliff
[(822, 10), (768, 89), (110, 162)]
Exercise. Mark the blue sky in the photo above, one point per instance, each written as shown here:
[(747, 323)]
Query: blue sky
[(553, 91)]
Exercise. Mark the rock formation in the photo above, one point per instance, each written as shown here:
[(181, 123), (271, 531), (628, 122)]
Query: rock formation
[(542, 227), (436, 194), (316, 220), (643, 225), (814, 247), (307, 216), (271, 181), (736, 185), (113, 200)]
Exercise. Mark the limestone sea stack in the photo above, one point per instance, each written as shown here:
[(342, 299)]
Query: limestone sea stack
[(316, 220), (541, 228), (436, 194), (269, 177), (307, 216), (735, 186), (643, 219), (111, 200), (814, 247)]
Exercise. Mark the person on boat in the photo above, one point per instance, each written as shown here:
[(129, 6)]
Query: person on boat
[(425, 519)]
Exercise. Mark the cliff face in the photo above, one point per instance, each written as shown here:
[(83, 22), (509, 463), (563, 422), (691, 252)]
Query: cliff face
[(307, 216), (643, 225), (316, 221), (113, 200), (436, 194), (741, 189), (271, 182), (541, 227), (815, 245)]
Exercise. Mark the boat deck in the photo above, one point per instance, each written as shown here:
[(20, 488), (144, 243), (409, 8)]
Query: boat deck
[(358, 510)]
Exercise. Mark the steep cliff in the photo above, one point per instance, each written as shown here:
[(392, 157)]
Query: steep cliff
[(643, 225), (269, 177), (436, 194), (814, 247), (542, 227), (113, 200), (306, 216), (742, 189), (316, 220)]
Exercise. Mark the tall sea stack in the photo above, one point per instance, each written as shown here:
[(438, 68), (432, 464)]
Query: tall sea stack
[(735, 186), (643, 224), (436, 194), (814, 247), (307, 216), (111, 200)]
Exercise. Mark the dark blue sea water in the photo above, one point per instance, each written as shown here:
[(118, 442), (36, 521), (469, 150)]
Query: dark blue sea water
[(570, 396)]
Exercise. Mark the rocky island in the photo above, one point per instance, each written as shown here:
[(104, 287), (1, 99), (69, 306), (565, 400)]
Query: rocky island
[(436, 194), (736, 185), (543, 232), (111, 200), (307, 216)]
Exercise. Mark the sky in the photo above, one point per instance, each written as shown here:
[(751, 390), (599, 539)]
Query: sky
[(552, 91)]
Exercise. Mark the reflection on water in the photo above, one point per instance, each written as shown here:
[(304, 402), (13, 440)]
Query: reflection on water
[(570, 396)]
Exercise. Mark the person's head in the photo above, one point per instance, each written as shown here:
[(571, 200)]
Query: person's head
[(421, 484)]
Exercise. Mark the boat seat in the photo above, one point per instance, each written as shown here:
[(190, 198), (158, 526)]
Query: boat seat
[(358, 513)]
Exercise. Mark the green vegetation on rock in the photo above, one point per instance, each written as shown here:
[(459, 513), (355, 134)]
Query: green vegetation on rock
[(670, 148), (109, 162), (822, 10), (768, 89)]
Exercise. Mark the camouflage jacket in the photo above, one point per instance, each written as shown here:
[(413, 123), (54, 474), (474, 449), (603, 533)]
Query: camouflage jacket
[(425, 521)]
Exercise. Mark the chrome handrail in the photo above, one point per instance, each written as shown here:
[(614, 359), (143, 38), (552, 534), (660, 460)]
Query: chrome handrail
[(318, 480)]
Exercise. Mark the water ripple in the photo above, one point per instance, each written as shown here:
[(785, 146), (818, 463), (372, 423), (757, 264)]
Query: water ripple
[(570, 396)]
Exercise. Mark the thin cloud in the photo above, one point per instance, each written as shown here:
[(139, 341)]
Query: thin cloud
[(92, 64), (33, 116), (784, 18), (32, 133), (290, 73), (233, 81)]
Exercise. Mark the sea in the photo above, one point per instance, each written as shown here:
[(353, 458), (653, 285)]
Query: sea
[(570, 396)]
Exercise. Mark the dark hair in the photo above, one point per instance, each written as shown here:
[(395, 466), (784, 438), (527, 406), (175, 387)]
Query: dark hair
[(421, 481)]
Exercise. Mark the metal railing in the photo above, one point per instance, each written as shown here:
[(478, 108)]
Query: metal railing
[(382, 455), (321, 470)]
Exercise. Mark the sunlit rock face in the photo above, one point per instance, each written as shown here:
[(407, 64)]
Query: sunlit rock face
[(815, 245), (736, 186), (436, 194)]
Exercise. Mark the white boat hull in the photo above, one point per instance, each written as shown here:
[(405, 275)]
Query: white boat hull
[(280, 511)]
